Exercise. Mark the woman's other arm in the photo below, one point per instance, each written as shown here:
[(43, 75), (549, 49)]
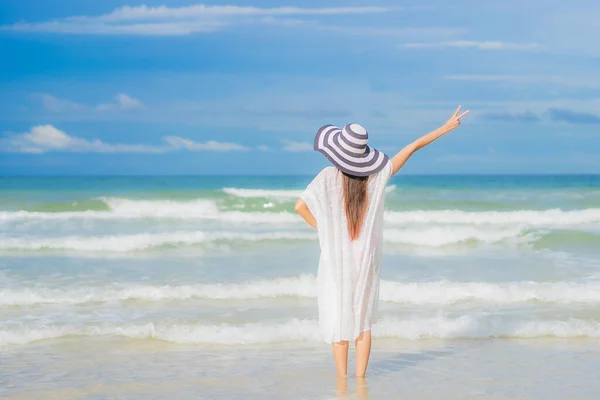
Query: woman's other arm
[(403, 155), (302, 209)]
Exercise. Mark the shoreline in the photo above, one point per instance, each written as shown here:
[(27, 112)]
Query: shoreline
[(496, 368)]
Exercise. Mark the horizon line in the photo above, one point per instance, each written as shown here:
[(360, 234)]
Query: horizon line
[(291, 175)]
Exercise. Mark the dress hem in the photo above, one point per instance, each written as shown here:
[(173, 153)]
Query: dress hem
[(348, 340)]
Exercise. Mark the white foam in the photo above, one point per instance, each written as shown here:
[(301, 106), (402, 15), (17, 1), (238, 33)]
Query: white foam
[(207, 209), (277, 194), (161, 208), (439, 236), (415, 236), (275, 218), (545, 218), (473, 327), (417, 293), (223, 334), (141, 241), (129, 209), (439, 327), (447, 292), (301, 286), (250, 193), (390, 188), (126, 209)]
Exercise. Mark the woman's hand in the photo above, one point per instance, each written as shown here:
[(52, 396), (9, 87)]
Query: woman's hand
[(403, 155), (454, 121)]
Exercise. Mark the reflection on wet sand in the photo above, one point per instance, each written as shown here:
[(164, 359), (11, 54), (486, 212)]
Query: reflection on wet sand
[(342, 391), (404, 360), (361, 389), (341, 387)]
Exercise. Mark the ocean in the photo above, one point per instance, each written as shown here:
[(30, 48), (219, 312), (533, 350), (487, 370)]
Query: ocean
[(204, 287)]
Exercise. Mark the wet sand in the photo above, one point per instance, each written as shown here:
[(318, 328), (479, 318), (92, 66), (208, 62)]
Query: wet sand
[(461, 369)]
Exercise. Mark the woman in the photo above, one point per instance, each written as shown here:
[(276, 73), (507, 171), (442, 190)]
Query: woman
[(345, 202)]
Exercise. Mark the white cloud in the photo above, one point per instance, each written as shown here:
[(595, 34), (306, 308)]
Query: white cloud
[(584, 80), (54, 104), (429, 33), (144, 12), (500, 160), (47, 138), (122, 102), (164, 20), (297, 146), (250, 104), (101, 28), (480, 45), (501, 78), (262, 147), (177, 142)]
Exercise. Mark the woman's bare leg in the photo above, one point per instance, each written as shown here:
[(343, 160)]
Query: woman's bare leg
[(340, 354), (363, 351)]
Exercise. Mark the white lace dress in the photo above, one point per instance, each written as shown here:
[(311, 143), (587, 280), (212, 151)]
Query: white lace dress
[(348, 276)]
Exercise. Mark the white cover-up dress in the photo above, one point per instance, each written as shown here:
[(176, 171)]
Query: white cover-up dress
[(349, 271)]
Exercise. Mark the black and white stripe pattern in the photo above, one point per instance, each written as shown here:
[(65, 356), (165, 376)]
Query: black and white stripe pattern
[(348, 149)]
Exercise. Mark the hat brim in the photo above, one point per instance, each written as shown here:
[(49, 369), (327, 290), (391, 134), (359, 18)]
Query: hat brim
[(368, 163)]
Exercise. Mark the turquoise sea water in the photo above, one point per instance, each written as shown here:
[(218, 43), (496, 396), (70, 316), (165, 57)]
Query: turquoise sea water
[(158, 286)]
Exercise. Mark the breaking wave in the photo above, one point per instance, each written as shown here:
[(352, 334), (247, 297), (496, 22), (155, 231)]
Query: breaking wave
[(417, 293), (440, 327), (425, 237), (120, 208)]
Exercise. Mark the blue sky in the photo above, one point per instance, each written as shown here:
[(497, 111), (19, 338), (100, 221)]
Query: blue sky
[(181, 87)]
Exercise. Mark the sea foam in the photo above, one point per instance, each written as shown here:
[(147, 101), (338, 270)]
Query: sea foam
[(416, 293), (203, 209), (433, 237), (550, 218), (294, 330), (142, 241), (277, 194), (250, 193)]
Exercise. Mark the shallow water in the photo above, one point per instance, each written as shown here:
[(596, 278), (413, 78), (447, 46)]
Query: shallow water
[(204, 287), (460, 369)]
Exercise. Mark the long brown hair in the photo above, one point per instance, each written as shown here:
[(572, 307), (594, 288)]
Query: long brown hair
[(355, 202)]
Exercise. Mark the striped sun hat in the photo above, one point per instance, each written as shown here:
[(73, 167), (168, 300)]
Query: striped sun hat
[(348, 150)]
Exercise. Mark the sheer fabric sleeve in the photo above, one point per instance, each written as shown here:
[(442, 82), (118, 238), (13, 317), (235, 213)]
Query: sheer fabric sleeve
[(386, 172)]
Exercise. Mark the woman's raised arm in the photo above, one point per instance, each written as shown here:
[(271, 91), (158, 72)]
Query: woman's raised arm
[(403, 155)]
